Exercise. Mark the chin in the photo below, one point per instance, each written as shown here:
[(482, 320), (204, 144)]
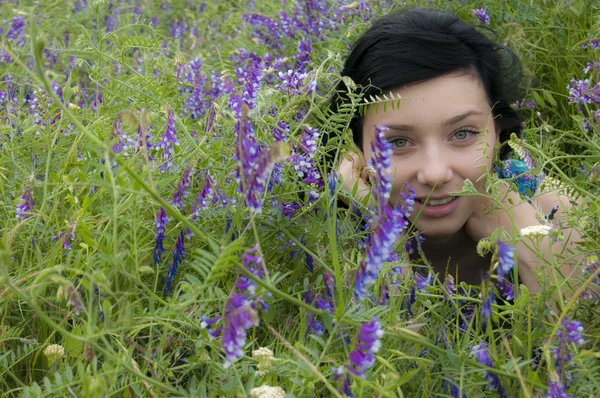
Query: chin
[(437, 229)]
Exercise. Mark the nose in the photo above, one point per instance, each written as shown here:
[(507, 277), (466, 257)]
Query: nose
[(434, 168)]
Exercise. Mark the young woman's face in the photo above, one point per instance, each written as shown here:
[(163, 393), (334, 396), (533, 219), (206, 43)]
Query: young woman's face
[(442, 134)]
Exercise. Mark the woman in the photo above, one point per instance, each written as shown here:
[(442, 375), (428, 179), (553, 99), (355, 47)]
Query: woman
[(456, 87)]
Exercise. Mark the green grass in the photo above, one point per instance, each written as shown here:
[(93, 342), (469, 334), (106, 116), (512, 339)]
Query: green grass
[(130, 338)]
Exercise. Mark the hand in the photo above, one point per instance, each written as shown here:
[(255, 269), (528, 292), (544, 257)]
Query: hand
[(483, 222), (352, 172)]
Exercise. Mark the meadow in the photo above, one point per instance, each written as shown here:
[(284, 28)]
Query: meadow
[(171, 224)]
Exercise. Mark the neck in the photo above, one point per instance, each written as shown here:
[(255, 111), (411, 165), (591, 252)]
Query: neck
[(443, 243)]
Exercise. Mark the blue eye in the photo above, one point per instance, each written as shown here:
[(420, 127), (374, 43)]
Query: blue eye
[(398, 142), (462, 135)]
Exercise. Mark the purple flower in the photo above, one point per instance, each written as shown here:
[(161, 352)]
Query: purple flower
[(67, 237), (182, 189), (591, 43), (507, 289), (389, 222), (481, 15), (168, 142), (367, 343), (262, 169), (178, 30), (304, 55), (178, 255), (481, 354), (293, 83), (486, 308), (523, 104), (209, 324), (580, 92), (161, 222), (16, 32), (239, 317), (556, 390), (422, 281), (26, 206), (450, 287), (280, 132), (506, 259), (454, 389), (259, 21)]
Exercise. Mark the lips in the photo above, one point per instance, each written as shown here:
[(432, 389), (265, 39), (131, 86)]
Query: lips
[(437, 202), (437, 208)]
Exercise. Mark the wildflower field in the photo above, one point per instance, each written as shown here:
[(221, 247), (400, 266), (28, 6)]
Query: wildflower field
[(171, 222)]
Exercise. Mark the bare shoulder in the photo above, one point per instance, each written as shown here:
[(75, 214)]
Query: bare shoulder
[(552, 193)]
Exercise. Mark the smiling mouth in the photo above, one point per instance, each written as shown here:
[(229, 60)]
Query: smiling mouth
[(439, 202)]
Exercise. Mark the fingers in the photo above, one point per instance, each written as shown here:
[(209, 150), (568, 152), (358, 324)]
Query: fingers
[(353, 175)]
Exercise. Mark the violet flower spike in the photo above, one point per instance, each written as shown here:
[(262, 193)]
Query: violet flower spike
[(256, 183), (161, 222), (480, 352), (168, 142), (506, 259), (239, 317), (182, 189), (209, 324), (482, 15), (556, 390), (368, 342), (26, 206), (178, 255)]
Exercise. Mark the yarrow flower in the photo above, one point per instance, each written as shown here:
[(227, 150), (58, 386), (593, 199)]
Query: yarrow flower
[(481, 14), (506, 259), (54, 352), (26, 205), (389, 222), (536, 231), (266, 391), (480, 352), (367, 343), (265, 357)]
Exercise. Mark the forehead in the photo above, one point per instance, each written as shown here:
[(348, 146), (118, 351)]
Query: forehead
[(433, 102)]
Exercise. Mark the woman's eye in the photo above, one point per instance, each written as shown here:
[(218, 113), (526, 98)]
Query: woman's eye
[(398, 142), (463, 135)]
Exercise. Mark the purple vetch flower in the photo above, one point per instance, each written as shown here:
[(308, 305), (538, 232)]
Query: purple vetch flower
[(507, 289), (556, 390), (422, 281), (591, 65), (550, 216), (481, 14), (304, 54), (204, 196), (480, 352), (362, 358), (580, 92), (26, 206), (67, 237), (454, 390), (523, 104), (256, 182), (239, 317), (168, 142), (273, 39), (486, 308), (16, 31), (506, 259), (124, 142), (569, 332), (280, 132), (161, 222), (182, 189), (178, 255), (177, 31), (450, 287), (591, 43), (293, 83), (209, 324), (389, 222), (289, 209)]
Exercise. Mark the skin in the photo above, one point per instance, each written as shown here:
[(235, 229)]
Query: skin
[(436, 157)]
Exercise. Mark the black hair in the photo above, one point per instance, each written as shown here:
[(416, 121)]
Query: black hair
[(418, 44)]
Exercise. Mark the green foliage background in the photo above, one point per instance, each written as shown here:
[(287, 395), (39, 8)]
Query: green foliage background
[(150, 344)]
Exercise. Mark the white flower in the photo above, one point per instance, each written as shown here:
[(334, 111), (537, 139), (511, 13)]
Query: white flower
[(264, 356), (536, 231), (266, 391), (54, 352)]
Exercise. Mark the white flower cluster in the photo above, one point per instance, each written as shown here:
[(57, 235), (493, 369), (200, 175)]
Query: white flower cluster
[(264, 356), (536, 231), (54, 352), (266, 391)]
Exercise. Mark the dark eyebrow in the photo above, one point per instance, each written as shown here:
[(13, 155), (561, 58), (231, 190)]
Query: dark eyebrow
[(449, 122)]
